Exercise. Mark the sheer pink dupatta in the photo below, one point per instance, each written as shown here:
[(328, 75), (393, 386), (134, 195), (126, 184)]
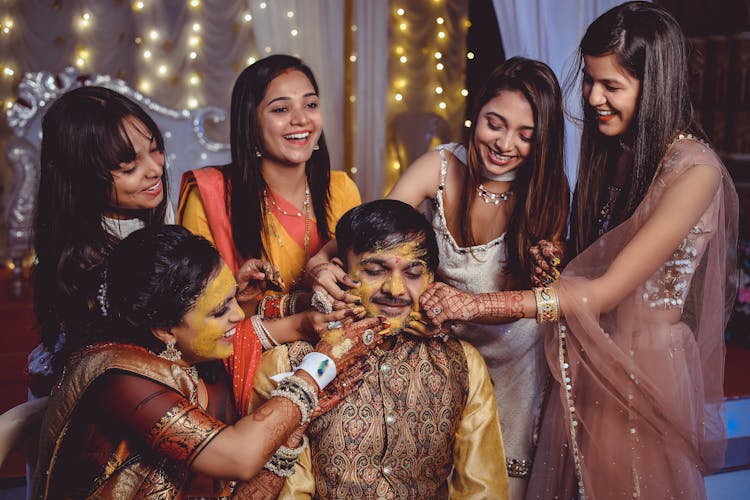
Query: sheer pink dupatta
[(636, 410)]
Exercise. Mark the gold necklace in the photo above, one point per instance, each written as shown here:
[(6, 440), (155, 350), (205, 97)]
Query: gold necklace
[(275, 231)]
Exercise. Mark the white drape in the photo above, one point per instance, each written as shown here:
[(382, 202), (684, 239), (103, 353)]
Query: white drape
[(319, 42), (550, 31)]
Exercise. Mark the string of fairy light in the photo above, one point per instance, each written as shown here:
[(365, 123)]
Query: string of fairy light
[(160, 57), (446, 93)]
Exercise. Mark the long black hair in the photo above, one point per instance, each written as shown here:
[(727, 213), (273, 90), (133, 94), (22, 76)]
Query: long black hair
[(541, 186), (243, 177), (83, 141), (649, 44)]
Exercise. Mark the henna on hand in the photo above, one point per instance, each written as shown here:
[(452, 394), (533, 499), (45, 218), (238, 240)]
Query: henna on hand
[(339, 389), (353, 341), (265, 485), (546, 259)]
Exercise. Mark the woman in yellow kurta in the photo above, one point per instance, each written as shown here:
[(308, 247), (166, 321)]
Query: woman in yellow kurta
[(274, 206)]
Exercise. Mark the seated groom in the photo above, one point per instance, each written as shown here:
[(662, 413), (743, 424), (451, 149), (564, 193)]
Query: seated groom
[(423, 423)]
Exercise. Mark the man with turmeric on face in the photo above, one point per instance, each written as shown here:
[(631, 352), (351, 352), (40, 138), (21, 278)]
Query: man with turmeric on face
[(423, 423)]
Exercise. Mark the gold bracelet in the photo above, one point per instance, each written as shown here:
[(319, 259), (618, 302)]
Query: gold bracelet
[(547, 305)]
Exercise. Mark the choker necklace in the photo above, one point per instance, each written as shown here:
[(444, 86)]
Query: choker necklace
[(505, 177), (490, 197)]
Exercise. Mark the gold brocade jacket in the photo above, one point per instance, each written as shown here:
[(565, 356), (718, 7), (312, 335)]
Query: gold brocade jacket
[(124, 472), (423, 424)]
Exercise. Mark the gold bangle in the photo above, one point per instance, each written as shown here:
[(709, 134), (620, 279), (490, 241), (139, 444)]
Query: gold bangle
[(547, 305)]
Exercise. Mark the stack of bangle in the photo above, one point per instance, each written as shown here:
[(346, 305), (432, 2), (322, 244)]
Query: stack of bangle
[(300, 393), (272, 306), (282, 462), (547, 305), (292, 302), (265, 337)]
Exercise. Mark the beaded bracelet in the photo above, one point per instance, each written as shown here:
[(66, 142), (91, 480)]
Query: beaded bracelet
[(300, 393), (279, 468), (547, 305)]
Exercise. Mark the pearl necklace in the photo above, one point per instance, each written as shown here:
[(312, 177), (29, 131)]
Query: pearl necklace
[(490, 197)]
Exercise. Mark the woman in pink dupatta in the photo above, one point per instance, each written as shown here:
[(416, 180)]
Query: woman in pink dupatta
[(637, 353)]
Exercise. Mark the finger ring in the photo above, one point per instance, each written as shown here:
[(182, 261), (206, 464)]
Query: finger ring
[(332, 325), (368, 337), (321, 302), (437, 310)]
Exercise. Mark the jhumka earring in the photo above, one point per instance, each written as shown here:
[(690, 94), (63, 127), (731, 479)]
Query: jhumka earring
[(170, 352)]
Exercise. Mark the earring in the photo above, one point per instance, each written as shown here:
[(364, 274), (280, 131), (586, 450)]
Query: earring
[(257, 153), (316, 147), (170, 352)]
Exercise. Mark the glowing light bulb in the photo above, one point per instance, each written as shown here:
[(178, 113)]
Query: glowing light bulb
[(354, 27), (163, 69), (195, 3), (192, 102), (438, 55), (439, 66), (403, 59), (145, 85), (247, 17), (441, 34), (290, 14), (470, 55), (250, 60), (464, 92), (400, 11), (442, 105), (147, 54), (263, 5), (396, 165), (80, 62), (8, 71), (403, 26), (153, 35), (399, 50), (138, 6), (353, 170), (440, 20), (294, 32), (267, 50), (352, 98), (353, 58), (467, 124), (194, 79), (193, 55), (86, 19), (194, 41), (196, 27), (438, 90), (398, 97)]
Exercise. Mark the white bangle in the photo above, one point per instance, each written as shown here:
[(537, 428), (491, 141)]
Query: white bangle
[(320, 367), (265, 337)]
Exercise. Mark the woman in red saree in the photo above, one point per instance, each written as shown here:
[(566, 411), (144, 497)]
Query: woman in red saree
[(124, 422), (637, 353)]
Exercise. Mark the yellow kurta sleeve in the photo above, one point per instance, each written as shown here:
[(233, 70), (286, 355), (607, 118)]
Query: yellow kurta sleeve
[(344, 195), (193, 215), (478, 454)]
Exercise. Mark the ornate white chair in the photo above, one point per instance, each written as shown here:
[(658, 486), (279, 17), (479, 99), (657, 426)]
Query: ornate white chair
[(186, 144)]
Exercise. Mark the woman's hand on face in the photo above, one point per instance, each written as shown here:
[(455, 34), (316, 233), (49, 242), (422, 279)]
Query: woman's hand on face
[(331, 279), (418, 325), (256, 276), (441, 303), (340, 388), (315, 323), (353, 341), (546, 259)]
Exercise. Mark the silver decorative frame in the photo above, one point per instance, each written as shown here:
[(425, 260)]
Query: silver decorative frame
[(186, 144)]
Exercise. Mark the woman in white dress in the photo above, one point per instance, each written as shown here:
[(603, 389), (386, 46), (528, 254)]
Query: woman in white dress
[(490, 202)]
